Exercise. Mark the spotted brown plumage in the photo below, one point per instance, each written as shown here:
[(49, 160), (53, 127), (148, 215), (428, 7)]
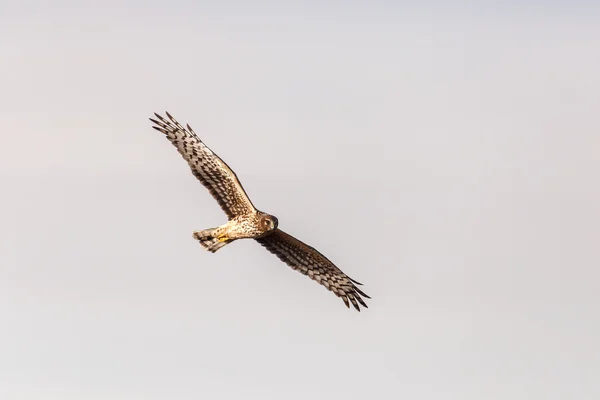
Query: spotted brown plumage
[(246, 222), (210, 170), (310, 262)]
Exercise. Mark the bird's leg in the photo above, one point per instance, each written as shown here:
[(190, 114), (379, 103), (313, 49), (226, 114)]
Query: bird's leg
[(222, 233)]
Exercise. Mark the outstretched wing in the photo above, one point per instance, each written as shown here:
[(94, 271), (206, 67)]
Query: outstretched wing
[(210, 170), (309, 261)]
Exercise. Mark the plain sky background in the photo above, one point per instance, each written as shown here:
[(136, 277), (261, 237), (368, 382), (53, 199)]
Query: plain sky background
[(445, 156)]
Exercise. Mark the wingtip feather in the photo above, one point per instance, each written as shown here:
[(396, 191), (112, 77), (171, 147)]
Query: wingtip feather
[(361, 292), (346, 301), (361, 301)]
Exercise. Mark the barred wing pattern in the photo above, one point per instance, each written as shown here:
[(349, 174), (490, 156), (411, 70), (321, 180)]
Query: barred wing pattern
[(211, 171), (309, 261)]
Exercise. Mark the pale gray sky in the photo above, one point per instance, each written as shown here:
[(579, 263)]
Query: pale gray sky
[(446, 157)]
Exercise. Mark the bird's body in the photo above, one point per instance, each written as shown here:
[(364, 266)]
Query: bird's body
[(246, 226), (247, 222)]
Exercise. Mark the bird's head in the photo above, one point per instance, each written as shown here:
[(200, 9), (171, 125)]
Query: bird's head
[(268, 222)]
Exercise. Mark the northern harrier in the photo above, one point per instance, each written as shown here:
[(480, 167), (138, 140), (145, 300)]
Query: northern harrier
[(245, 221)]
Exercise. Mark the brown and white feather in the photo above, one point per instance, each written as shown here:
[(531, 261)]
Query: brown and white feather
[(310, 262), (210, 169)]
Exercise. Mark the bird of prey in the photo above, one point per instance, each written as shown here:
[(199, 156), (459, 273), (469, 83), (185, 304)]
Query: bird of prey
[(247, 222)]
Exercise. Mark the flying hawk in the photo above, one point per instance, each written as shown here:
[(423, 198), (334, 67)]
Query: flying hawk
[(246, 222)]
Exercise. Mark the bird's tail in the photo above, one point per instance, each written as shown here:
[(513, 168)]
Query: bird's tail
[(209, 239)]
